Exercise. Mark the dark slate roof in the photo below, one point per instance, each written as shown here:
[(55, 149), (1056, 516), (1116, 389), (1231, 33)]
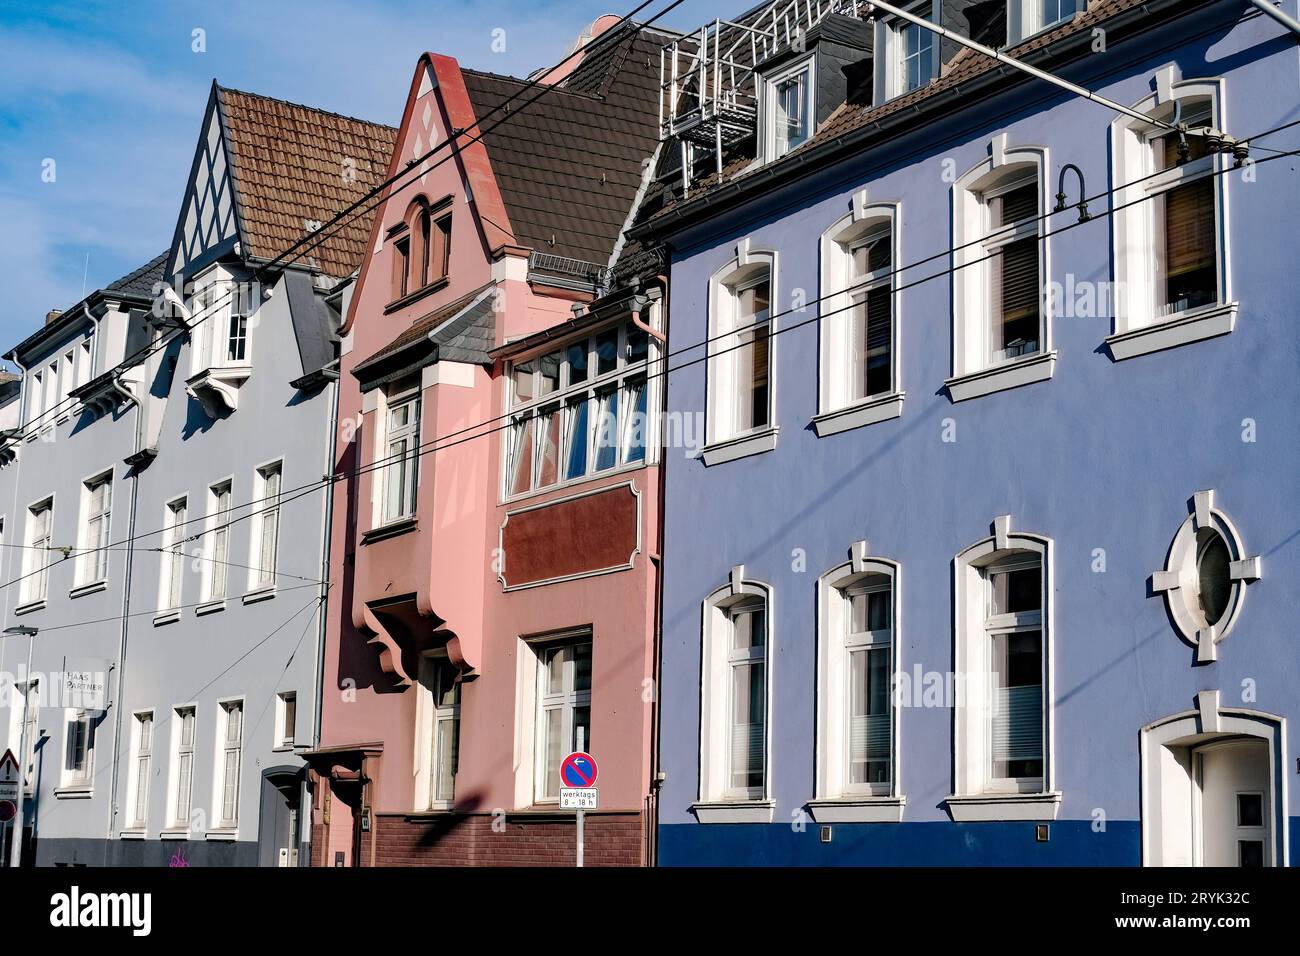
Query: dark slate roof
[(314, 322), (569, 164), (461, 331), (141, 282), (287, 162), (850, 118)]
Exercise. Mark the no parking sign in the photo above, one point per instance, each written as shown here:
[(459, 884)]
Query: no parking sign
[(578, 773)]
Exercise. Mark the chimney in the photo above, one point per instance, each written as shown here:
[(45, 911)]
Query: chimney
[(52, 315)]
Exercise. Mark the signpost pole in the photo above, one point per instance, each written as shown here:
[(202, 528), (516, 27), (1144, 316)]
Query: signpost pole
[(582, 746), (16, 827)]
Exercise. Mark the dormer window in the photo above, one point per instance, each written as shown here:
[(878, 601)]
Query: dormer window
[(219, 342), (910, 57), (1027, 17), (790, 108)]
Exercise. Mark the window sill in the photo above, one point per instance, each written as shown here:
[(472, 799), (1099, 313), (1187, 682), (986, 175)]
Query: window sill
[(174, 835), (980, 807), (735, 811), (579, 482), (751, 443), (390, 530), (1195, 325), (878, 408), (29, 607), (170, 616), (91, 588), (282, 749), (132, 835), (858, 810), (74, 793), (210, 607), (260, 594), (417, 295), (997, 378), (224, 835)]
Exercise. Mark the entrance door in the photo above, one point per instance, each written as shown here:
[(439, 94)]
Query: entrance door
[(1233, 797), (280, 833)]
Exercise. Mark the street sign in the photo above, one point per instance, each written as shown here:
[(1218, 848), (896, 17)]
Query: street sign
[(579, 798), (9, 787), (579, 770)]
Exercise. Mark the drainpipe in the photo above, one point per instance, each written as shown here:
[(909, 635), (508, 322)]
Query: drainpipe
[(326, 544), (126, 611), (1281, 16), (653, 849)]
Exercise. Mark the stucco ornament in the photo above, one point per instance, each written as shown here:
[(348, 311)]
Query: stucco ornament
[(1204, 578)]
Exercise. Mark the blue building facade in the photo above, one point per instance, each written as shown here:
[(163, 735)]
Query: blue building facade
[(989, 557)]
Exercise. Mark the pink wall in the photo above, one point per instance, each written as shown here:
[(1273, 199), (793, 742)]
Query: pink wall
[(446, 561)]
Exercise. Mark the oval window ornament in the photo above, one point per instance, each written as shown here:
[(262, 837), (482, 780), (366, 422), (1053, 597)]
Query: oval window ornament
[(1204, 578)]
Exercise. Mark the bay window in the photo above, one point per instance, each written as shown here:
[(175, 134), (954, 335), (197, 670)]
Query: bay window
[(400, 452), (1169, 224), (579, 411)]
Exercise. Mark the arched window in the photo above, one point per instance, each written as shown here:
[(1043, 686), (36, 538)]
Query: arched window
[(859, 324), (421, 247)]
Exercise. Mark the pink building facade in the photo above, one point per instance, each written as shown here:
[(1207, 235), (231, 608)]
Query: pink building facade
[(496, 529)]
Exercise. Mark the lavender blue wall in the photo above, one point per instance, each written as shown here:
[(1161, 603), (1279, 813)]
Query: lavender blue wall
[(1105, 455)]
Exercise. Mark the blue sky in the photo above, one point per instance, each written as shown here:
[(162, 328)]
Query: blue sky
[(113, 93)]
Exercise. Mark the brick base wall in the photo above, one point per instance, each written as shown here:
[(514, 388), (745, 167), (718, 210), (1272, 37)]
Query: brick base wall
[(611, 839)]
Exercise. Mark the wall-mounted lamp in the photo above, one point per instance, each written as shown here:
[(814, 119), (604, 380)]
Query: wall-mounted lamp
[(1082, 204)]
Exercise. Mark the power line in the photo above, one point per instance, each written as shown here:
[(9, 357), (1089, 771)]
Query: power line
[(441, 443)]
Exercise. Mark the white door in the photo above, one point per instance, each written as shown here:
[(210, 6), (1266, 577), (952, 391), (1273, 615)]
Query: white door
[(1234, 801)]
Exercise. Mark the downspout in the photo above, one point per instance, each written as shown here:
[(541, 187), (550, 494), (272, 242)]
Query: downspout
[(652, 856), (126, 611), (1281, 16), (326, 544), (322, 634)]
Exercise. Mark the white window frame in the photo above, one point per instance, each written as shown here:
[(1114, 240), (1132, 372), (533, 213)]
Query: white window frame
[(773, 146), (78, 736), (37, 557), (405, 470), (141, 770), (180, 777), (216, 544), (1137, 327), (567, 701), (529, 416), (889, 40), (171, 578), (977, 795), (1025, 18), (529, 741), (263, 554), (228, 749), (431, 715), (838, 800), (725, 440), (975, 371), (286, 720), (219, 298), (718, 802), (838, 408), (96, 529)]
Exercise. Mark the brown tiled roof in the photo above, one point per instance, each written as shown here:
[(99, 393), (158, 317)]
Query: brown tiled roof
[(850, 117), (289, 164), (569, 164)]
